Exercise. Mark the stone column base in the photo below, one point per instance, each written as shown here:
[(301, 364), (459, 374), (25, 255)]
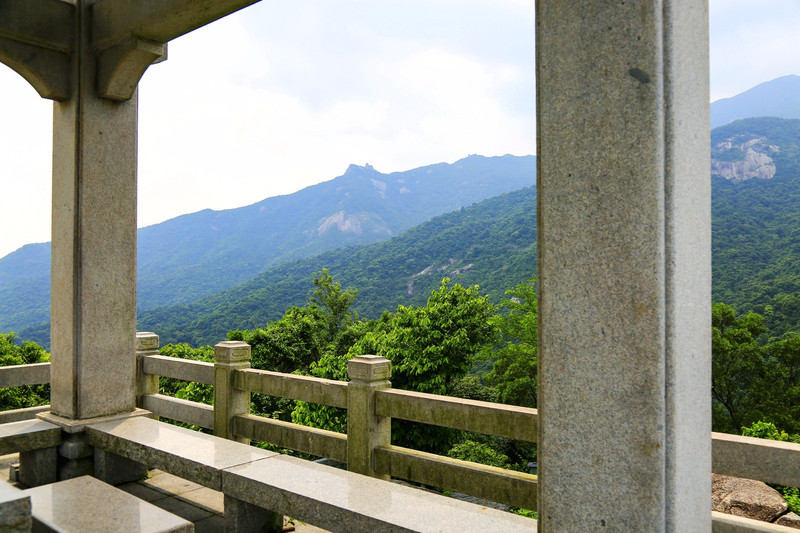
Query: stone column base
[(76, 458)]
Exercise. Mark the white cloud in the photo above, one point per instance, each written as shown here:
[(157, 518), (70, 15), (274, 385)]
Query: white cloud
[(285, 94)]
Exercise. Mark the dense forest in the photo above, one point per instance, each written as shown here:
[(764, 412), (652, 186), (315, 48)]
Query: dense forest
[(492, 243)]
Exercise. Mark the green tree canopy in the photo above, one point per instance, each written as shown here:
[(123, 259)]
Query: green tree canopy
[(28, 353), (737, 362), (514, 370)]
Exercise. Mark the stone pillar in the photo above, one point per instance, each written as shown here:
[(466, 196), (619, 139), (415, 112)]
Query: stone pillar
[(624, 265), (365, 430), (93, 275), (146, 344), (229, 401)]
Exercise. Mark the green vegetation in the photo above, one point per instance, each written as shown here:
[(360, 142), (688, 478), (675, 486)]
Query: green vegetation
[(200, 254), (492, 243), (28, 353), (751, 381), (756, 229), (460, 344)]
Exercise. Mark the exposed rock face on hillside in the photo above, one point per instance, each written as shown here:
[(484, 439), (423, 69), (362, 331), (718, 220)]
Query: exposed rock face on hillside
[(738, 159)]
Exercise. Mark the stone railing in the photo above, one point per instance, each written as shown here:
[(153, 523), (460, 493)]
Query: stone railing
[(18, 376), (371, 404)]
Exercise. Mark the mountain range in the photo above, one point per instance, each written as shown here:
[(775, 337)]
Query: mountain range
[(199, 254), (208, 272), (776, 98)]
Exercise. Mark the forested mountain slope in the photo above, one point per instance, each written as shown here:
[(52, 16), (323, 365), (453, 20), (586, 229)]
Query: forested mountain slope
[(492, 244), (756, 219), (202, 253), (756, 247)]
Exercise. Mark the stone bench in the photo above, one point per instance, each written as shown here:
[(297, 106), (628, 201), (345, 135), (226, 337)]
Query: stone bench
[(85, 504), (251, 478), (36, 442), (15, 509)]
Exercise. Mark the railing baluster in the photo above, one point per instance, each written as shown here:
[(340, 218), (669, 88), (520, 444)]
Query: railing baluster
[(229, 401), (366, 431), (146, 344)]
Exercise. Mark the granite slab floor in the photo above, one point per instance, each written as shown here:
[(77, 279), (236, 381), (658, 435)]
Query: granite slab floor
[(195, 503)]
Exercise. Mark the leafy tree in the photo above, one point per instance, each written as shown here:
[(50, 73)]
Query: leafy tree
[(776, 395), (737, 363), (430, 348), (514, 372), (286, 345), (302, 337), (28, 353), (334, 302)]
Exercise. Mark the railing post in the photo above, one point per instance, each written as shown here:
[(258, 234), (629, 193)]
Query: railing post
[(146, 344), (229, 356), (365, 430)]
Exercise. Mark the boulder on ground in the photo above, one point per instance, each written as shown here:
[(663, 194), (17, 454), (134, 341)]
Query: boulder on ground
[(747, 498), (789, 520)]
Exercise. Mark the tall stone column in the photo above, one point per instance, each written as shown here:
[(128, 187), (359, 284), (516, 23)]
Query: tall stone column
[(93, 276), (624, 265)]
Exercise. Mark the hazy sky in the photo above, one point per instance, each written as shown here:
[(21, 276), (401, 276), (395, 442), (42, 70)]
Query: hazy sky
[(283, 95)]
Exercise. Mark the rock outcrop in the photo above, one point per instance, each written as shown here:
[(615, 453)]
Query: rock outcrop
[(750, 499), (738, 160)]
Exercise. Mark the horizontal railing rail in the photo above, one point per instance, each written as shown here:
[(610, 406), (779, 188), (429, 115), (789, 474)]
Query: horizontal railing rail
[(305, 439), (176, 368), (765, 460), (501, 420), (21, 375), (490, 482), (25, 413), (303, 388), (196, 413)]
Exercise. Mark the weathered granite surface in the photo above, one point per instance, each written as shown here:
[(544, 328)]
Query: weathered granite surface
[(28, 435), (624, 265), (15, 509), (338, 500), (189, 454), (87, 505)]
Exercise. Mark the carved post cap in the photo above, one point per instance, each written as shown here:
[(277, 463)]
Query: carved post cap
[(231, 352), (146, 341), (369, 368)]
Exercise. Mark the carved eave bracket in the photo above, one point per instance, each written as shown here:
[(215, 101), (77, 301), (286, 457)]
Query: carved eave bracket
[(46, 70), (121, 66)]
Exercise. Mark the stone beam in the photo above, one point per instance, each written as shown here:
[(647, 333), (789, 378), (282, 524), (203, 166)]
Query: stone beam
[(43, 23), (115, 21), (36, 37)]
